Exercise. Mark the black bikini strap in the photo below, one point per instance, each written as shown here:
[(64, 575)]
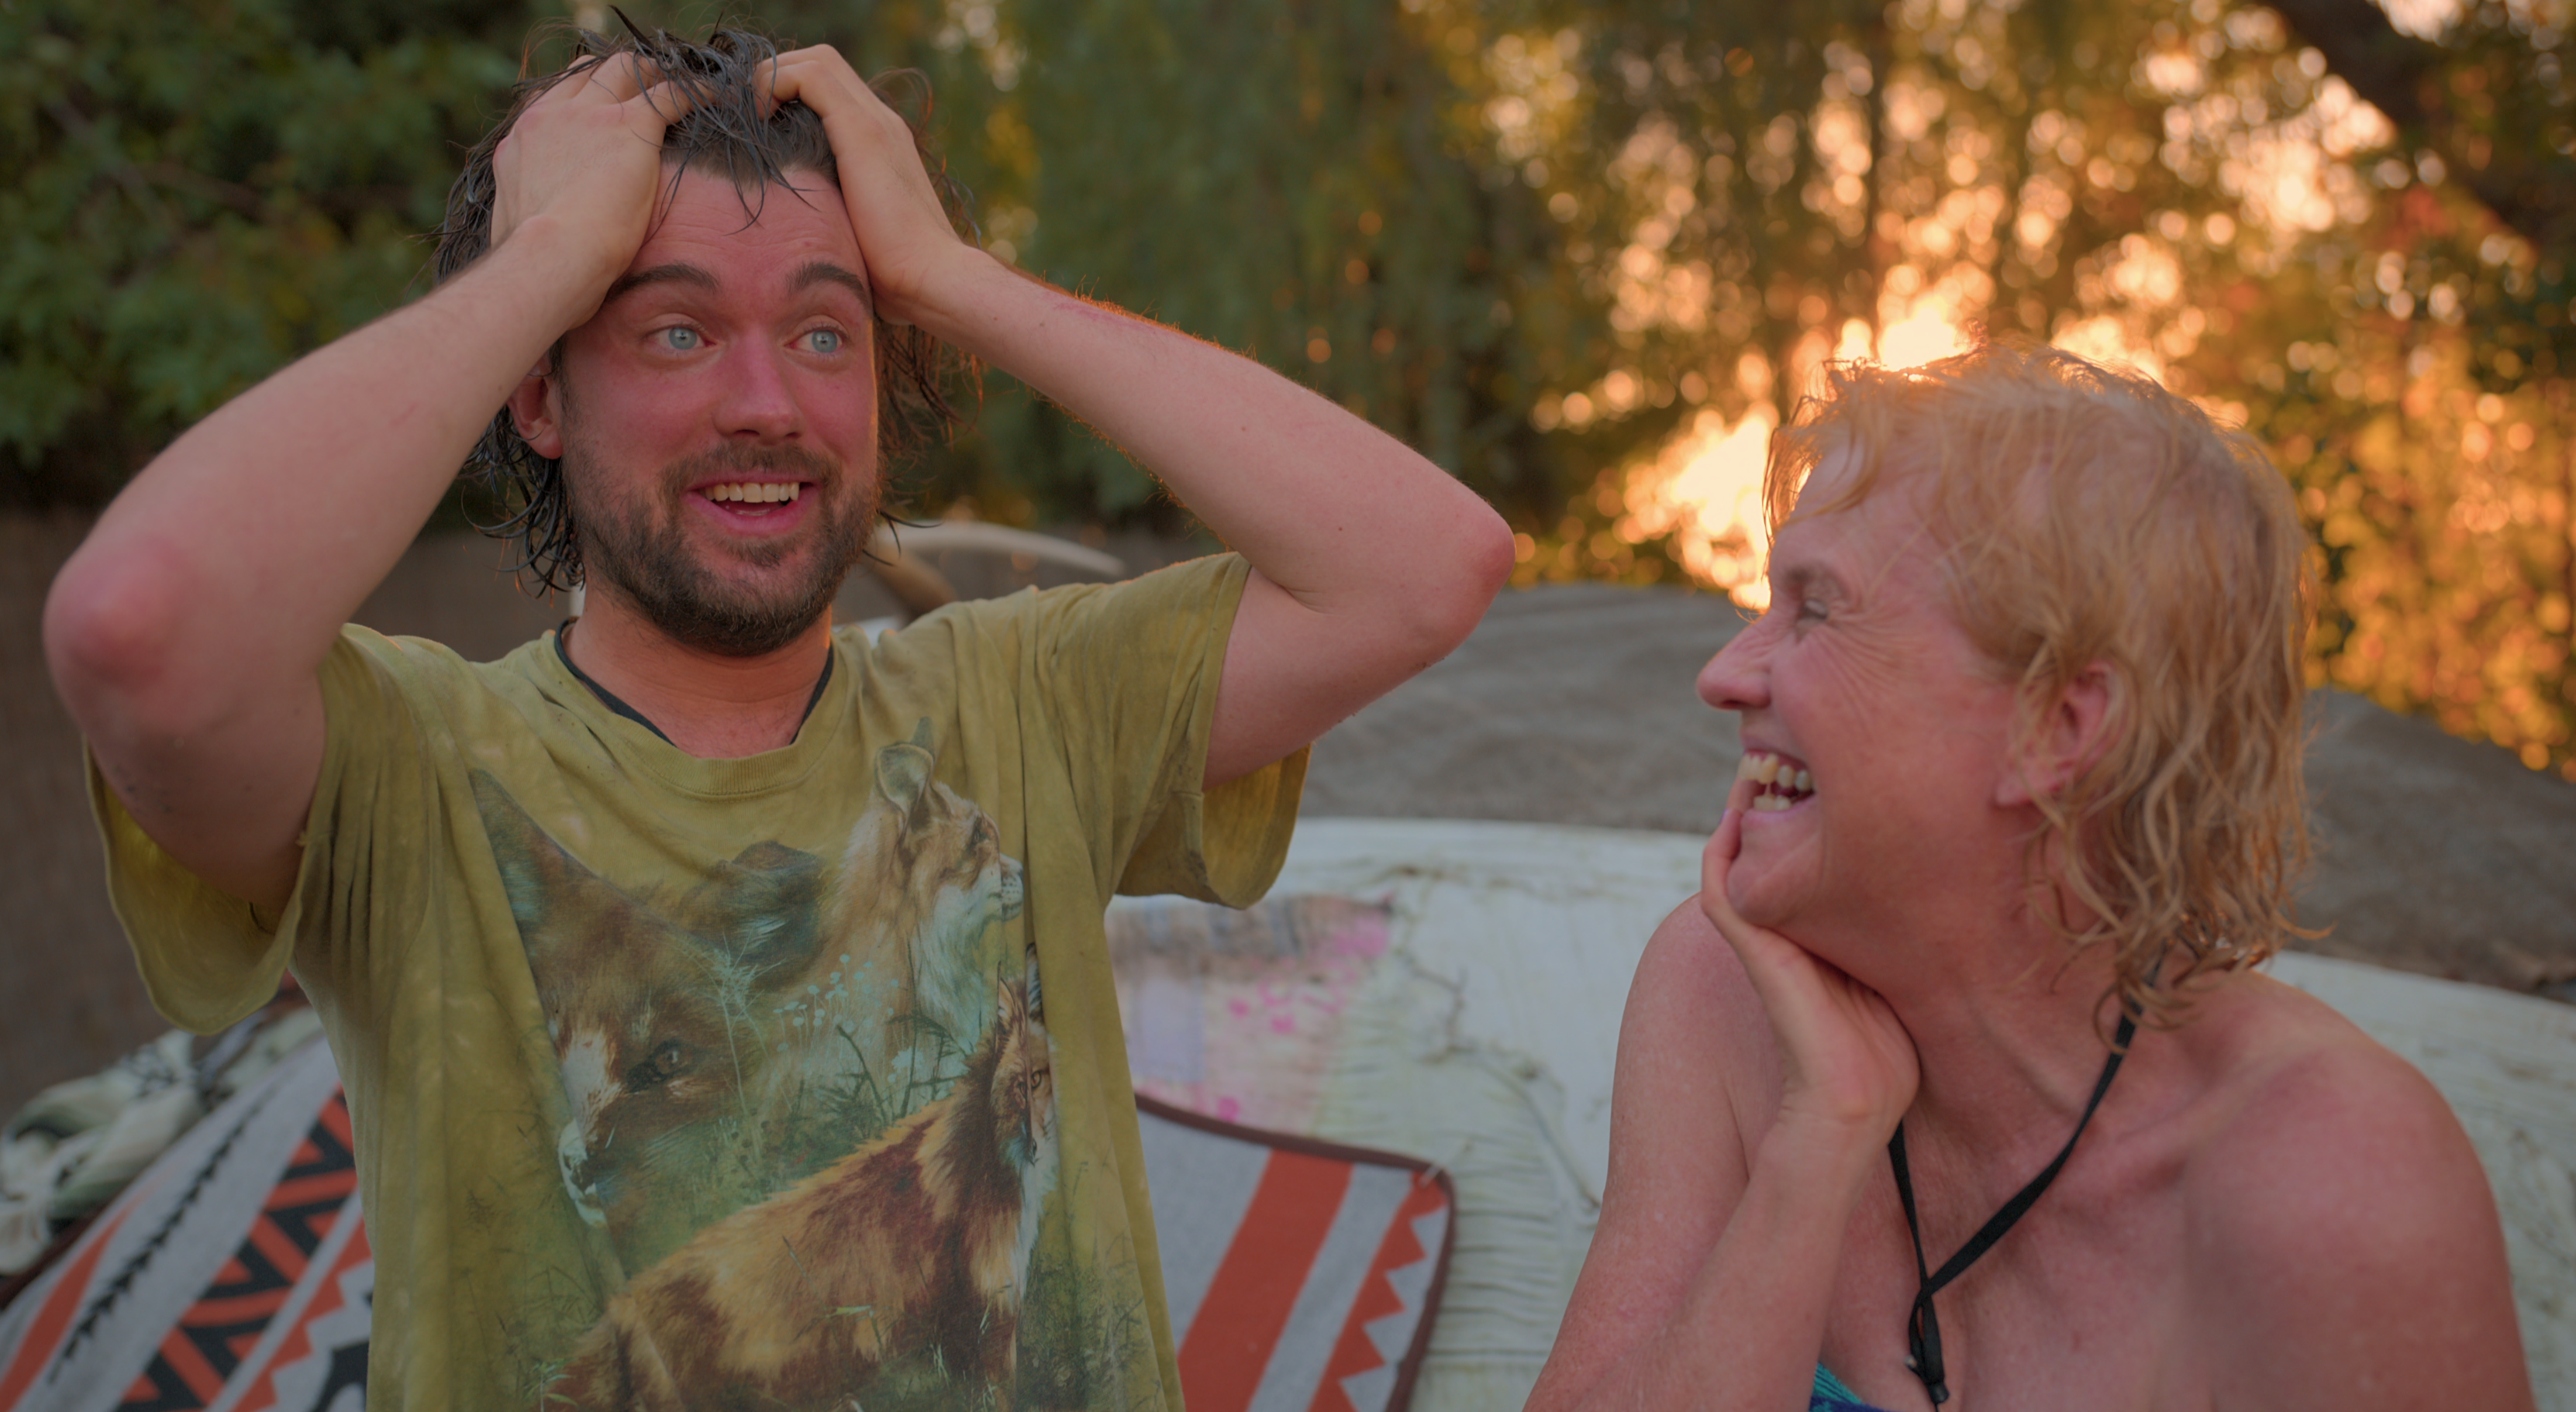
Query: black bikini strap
[(1923, 1326)]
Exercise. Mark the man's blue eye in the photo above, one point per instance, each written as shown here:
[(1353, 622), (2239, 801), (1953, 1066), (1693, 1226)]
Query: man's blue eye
[(681, 340), (825, 341)]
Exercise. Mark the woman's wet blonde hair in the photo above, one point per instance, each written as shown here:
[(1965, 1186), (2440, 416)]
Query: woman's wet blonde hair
[(2084, 514)]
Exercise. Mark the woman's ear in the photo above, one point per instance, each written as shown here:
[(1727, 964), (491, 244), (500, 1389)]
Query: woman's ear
[(2064, 742), (536, 410)]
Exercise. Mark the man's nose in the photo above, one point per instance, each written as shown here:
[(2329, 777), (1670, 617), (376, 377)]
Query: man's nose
[(758, 400)]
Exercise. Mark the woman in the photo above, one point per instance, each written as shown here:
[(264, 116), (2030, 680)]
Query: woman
[(1970, 971)]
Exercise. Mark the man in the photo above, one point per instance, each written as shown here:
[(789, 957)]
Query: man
[(1955, 1082), (721, 1001)]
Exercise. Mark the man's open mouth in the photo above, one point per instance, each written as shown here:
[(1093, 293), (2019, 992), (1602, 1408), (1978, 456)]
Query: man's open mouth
[(1778, 781), (754, 496)]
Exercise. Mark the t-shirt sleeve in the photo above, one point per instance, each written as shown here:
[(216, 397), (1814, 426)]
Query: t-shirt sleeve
[(1130, 674), (207, 957)]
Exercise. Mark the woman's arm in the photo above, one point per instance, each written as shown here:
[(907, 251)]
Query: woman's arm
[(1755, 1092)]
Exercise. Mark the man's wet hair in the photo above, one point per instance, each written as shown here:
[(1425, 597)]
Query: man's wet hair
[(723, 133)]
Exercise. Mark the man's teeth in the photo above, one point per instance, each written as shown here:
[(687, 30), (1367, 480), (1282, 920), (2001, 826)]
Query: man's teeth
[(755, 492), (1777, 783)]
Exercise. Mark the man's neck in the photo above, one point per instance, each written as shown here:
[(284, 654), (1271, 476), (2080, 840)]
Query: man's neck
[(711, 706)]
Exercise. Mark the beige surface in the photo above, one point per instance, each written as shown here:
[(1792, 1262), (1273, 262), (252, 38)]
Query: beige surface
[(1574, 705), (1570, 705), (1487, 1044)]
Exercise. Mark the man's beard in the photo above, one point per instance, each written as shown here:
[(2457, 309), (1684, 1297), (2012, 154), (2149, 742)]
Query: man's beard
[(639, 551)]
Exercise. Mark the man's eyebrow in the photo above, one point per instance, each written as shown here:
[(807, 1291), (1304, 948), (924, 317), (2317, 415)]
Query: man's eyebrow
[(814, 272), (658, 274)]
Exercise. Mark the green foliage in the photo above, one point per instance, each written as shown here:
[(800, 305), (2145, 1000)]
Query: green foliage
[(1300, 180), (192, 193), (1533, 237)]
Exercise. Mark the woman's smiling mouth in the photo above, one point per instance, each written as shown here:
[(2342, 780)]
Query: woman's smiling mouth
[(1778, 782)]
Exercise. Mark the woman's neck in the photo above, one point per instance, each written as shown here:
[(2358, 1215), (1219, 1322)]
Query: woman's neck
[(2011, 1036)]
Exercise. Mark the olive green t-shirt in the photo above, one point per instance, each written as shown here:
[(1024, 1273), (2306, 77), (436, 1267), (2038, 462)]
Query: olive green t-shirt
[(794, 1080)]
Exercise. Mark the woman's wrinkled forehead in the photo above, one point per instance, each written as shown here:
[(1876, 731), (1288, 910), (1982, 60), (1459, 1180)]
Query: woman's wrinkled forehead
[(1851, 469)]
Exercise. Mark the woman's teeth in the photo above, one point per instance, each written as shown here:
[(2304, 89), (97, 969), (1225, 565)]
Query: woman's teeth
[(755, 492), (1777, 783)]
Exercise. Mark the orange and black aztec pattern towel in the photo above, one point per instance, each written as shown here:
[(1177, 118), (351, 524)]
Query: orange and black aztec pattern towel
[(233, 1273)]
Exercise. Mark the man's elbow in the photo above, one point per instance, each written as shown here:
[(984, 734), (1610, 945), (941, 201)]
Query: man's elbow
[(110, 639), (1475, 560)]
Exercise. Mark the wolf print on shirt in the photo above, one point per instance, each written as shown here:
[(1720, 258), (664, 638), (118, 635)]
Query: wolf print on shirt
[(924, 880), (653, 1004), (747, 1049), (918, 1241)]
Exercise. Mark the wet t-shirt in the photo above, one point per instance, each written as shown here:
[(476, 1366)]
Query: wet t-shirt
[(790, 1081)]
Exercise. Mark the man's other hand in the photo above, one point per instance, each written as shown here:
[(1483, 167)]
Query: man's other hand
[(588, 156), (904, 233)]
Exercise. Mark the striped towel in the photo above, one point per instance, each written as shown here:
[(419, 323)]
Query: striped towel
[(1300, 1274)]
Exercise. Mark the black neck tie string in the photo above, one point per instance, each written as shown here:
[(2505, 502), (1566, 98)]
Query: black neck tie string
[(1923, 1326)]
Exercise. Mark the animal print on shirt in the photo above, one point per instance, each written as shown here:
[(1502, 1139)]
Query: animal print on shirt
[(764, 1052)]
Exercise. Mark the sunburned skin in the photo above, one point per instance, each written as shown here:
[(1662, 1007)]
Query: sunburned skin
[(1778, 781)]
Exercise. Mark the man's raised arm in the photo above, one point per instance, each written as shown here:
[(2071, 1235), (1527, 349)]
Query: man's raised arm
[(1370, 563), (186, 632)]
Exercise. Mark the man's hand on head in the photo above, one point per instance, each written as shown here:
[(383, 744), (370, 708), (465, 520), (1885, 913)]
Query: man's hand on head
[(903, 230), (587, 157)]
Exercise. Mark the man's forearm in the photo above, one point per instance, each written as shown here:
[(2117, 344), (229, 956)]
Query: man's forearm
[(230, 562), (1326, 506), (1370, 563)]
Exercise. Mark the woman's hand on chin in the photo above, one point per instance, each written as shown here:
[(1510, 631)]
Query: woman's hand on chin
[(1849, 1066)]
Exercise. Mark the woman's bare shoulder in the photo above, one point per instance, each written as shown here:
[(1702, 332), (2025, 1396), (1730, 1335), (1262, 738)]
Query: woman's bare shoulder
[(1692, 1010), (2341, 1226), (2284, 1077), (2294, 1099)]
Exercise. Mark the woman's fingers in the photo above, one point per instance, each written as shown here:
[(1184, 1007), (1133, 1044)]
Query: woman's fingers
[(1717, 861), (1849, 1059)]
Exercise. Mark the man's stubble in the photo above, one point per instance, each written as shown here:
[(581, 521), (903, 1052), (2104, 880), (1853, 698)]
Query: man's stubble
[(638, 548)]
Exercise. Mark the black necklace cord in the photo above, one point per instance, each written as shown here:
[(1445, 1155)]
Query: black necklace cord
[(1923, 1326)]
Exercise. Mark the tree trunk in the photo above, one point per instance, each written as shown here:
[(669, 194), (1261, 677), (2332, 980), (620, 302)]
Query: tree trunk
[(2528, 187)]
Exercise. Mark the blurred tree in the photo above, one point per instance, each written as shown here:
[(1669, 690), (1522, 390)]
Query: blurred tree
[(2489, 98), (2381, 296), (1580, 251), (191, 193), (1296, 179)]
